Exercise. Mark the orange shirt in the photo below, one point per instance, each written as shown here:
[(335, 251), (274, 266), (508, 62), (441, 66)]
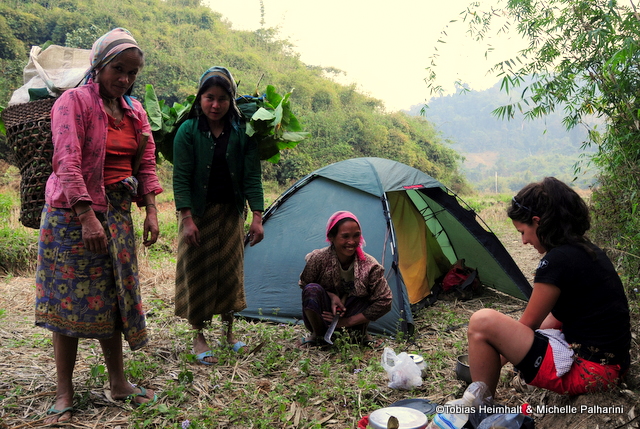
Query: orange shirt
[(122, 146)]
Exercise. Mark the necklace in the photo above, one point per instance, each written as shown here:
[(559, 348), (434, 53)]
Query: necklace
[(111, 106)]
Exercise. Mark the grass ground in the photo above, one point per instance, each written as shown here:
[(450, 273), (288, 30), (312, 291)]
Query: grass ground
[(275, 385)]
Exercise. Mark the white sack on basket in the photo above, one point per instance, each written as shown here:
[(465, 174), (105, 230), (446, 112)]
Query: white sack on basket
[(56, 68)]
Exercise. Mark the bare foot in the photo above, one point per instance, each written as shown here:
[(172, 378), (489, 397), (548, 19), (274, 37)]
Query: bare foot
[(231, 339), (374, 343)]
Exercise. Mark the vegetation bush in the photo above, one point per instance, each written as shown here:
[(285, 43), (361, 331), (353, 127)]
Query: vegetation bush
[(19, 245)]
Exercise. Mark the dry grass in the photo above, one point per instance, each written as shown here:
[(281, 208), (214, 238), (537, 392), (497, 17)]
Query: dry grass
[(275, 385)]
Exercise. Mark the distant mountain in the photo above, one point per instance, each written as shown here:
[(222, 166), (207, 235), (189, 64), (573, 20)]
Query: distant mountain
[(517, 151)]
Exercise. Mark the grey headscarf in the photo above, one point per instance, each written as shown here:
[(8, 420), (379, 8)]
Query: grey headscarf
[(230, 86)]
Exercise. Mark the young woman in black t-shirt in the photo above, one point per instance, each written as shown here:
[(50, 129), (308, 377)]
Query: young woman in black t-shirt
[(574, 335)]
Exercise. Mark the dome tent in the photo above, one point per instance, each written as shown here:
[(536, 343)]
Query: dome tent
[(413, 225)]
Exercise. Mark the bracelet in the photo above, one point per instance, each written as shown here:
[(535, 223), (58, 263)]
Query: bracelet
[(83, 212), (152, 205), (184, 217)]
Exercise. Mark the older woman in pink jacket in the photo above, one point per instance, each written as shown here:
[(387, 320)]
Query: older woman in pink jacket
[(87, 274)]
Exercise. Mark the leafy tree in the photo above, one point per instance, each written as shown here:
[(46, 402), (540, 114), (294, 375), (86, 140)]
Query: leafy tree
[(10, 46), (582, 56), (83, 37)]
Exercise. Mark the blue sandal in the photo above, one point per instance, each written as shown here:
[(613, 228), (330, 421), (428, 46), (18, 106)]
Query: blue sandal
[(237, 346), (201, 356), (53, 412)]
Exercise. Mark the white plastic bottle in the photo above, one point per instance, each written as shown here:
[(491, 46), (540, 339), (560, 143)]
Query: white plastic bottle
[(456, 413)]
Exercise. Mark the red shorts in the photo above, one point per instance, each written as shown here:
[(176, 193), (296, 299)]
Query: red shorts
[(583, 377)]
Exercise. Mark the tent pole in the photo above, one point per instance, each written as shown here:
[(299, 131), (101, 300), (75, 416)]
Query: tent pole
[(404, 325)]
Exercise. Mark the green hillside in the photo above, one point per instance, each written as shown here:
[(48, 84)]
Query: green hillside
[(181, 39)]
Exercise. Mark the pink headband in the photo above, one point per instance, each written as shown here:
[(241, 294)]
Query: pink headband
[(338, 216)]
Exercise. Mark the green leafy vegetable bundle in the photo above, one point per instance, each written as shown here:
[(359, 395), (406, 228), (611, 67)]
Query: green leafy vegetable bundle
[(268, 117), (165, 120)]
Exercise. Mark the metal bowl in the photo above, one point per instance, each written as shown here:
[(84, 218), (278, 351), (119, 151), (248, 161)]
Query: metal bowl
[(462, 369)]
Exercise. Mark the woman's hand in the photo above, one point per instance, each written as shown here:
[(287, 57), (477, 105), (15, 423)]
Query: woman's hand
[(190, 231), (256, 230), (336, 304), (345, 322), (93, 235), (150, 227), (328, 316), (543, 298)]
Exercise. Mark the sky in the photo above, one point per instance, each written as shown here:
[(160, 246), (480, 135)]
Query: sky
[(383, 46)]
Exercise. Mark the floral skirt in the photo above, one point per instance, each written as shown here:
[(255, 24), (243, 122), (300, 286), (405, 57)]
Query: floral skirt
[(87, 295)]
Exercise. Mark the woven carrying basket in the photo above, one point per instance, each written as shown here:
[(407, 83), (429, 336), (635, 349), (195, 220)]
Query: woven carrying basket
[(29, 134)]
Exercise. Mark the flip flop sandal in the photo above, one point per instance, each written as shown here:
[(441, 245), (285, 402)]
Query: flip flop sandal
[(201, 356), (237, 346), (143, 393), (53, 412), (309, 342)]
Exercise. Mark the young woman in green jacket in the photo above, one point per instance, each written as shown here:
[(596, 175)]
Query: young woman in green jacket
[(216, 171)]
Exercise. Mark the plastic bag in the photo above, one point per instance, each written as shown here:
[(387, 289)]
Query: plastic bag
[(402, 370)]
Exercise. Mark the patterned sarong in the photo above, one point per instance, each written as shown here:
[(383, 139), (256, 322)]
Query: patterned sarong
[(83, 294), (209, 277)]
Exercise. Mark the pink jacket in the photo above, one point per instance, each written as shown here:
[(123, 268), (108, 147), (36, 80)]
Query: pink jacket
[(79, 133)]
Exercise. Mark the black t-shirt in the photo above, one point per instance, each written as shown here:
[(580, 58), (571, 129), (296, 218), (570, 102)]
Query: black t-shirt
[(592, 306)]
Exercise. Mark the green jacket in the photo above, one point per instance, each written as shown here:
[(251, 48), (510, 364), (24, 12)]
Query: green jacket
[(192, 158)]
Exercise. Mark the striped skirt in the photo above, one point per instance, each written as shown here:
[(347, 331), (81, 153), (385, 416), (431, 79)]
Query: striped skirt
[(210, 277), (83, 294)]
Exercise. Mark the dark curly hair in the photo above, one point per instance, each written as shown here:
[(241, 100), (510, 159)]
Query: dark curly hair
[(564, 216)]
